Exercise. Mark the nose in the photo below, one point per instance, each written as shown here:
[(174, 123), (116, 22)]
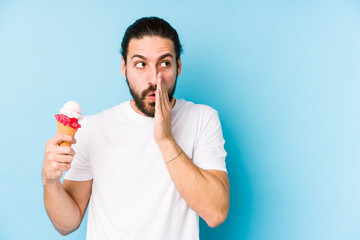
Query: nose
[(152, 77)]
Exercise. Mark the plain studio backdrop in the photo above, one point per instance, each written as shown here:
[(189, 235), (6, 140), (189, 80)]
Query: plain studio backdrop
[(283, 75)]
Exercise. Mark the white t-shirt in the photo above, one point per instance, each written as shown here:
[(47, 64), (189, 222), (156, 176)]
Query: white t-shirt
[(133, 196)]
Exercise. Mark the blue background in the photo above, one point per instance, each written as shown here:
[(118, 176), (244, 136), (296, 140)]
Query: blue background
[(283, 75)]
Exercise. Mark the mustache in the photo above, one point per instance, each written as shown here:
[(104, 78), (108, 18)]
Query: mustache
[(152, 88)]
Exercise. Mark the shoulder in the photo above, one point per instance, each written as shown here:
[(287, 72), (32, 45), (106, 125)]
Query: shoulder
[(103, 116), (187, 107)]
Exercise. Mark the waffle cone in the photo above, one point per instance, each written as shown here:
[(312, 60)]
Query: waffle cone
[(63, 129)]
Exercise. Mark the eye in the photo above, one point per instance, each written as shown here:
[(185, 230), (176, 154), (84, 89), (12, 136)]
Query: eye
[(165, 64), (140, 65)]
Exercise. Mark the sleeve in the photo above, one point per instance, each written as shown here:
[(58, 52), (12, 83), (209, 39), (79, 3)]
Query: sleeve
[(80, 169), (209, 152)]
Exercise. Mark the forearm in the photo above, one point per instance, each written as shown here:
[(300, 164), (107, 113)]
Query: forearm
[(204, 192), (61, 208)]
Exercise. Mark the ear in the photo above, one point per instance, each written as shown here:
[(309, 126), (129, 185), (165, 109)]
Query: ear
[(123, 66), (179, 66)]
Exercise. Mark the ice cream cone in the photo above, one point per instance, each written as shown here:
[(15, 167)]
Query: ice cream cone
[(67, 120), (63, 129)]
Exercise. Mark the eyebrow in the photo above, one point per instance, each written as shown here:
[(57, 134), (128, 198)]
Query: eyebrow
[(165, 56), (138, 56), (160, 58)]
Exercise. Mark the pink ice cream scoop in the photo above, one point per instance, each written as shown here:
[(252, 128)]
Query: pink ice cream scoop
[(70, 114), (68, 120)]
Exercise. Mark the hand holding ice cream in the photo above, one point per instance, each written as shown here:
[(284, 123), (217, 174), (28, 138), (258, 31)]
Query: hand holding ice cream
[(58, 159), (67, 120)]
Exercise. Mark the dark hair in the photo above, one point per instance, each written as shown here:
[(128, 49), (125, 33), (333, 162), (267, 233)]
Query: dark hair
[(150, 26)]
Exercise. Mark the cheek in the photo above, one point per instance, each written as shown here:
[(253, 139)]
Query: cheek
[(138, 76), (169, 74), (133, 77), (130, 73), (170, 78)]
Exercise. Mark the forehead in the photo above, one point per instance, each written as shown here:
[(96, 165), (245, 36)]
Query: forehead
[(150, 46)]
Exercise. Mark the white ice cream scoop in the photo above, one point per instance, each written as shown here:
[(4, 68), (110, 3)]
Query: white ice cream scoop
[(71, 109)]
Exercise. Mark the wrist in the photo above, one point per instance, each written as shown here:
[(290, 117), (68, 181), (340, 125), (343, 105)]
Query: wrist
[(51, 183), (170, 150), (167, 144), (169, 161)]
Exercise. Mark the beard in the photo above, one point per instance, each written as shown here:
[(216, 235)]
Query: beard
[(147, 108)]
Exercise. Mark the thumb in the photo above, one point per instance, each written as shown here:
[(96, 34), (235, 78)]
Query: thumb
[(172, 102)]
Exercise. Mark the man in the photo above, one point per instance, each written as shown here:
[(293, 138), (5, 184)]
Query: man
[(148, 167)]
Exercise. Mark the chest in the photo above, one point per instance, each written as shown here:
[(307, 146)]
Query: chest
[(127, 152)]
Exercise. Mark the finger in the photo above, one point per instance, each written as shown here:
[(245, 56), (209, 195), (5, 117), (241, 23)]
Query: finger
[(55, 175), (59, 138), (172, 102), (61, 166), (65, 166), (65, 158), (163, 94), (66, 138), (158, 93), (65, 150), (163, 104), (59, 158), (164, 90)]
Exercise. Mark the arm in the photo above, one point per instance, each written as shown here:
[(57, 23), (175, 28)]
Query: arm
[(205, 191), (65, 203)]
